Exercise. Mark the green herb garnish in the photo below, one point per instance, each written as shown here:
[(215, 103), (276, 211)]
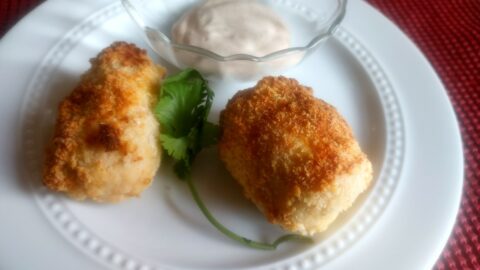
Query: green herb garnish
[(182, 111)]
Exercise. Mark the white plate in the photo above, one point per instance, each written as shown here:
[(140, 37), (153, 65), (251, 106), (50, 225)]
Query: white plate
[(371, 72)]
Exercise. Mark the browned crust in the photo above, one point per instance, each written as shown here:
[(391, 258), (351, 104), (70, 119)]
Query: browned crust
[(279, 141), (106, 137), (92, 115)]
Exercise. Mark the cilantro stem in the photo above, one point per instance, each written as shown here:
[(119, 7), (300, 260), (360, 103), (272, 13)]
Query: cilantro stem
[(234, 236), (182, 111)]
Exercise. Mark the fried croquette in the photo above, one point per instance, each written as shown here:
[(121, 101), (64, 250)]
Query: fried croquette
[(293, 154), (105, 145)]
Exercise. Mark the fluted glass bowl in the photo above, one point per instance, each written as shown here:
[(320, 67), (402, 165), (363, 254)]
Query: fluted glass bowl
[(310, 23)]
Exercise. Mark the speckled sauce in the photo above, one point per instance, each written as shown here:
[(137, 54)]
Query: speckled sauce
[(229, 27)]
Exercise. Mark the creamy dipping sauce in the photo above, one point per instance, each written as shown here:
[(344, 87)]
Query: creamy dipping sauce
[(229, 27)]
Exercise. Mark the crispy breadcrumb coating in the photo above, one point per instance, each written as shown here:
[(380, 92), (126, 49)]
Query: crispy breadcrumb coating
[(105, 145), (293, 154)]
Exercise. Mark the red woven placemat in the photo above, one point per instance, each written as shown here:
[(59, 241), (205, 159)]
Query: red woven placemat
[(13, 10), (448, 33)]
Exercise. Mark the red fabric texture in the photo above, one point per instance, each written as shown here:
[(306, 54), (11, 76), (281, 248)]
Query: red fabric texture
[(448, 33), (13, 10)]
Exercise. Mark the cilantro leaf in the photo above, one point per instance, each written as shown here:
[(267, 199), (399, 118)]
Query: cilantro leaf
[(175, 147), (177, 110), (182, 111)]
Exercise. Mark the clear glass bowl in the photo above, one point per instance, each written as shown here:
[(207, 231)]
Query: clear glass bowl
[(310, 23)]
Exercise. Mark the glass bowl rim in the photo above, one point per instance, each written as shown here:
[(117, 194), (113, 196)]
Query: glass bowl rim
[(334, 22)]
